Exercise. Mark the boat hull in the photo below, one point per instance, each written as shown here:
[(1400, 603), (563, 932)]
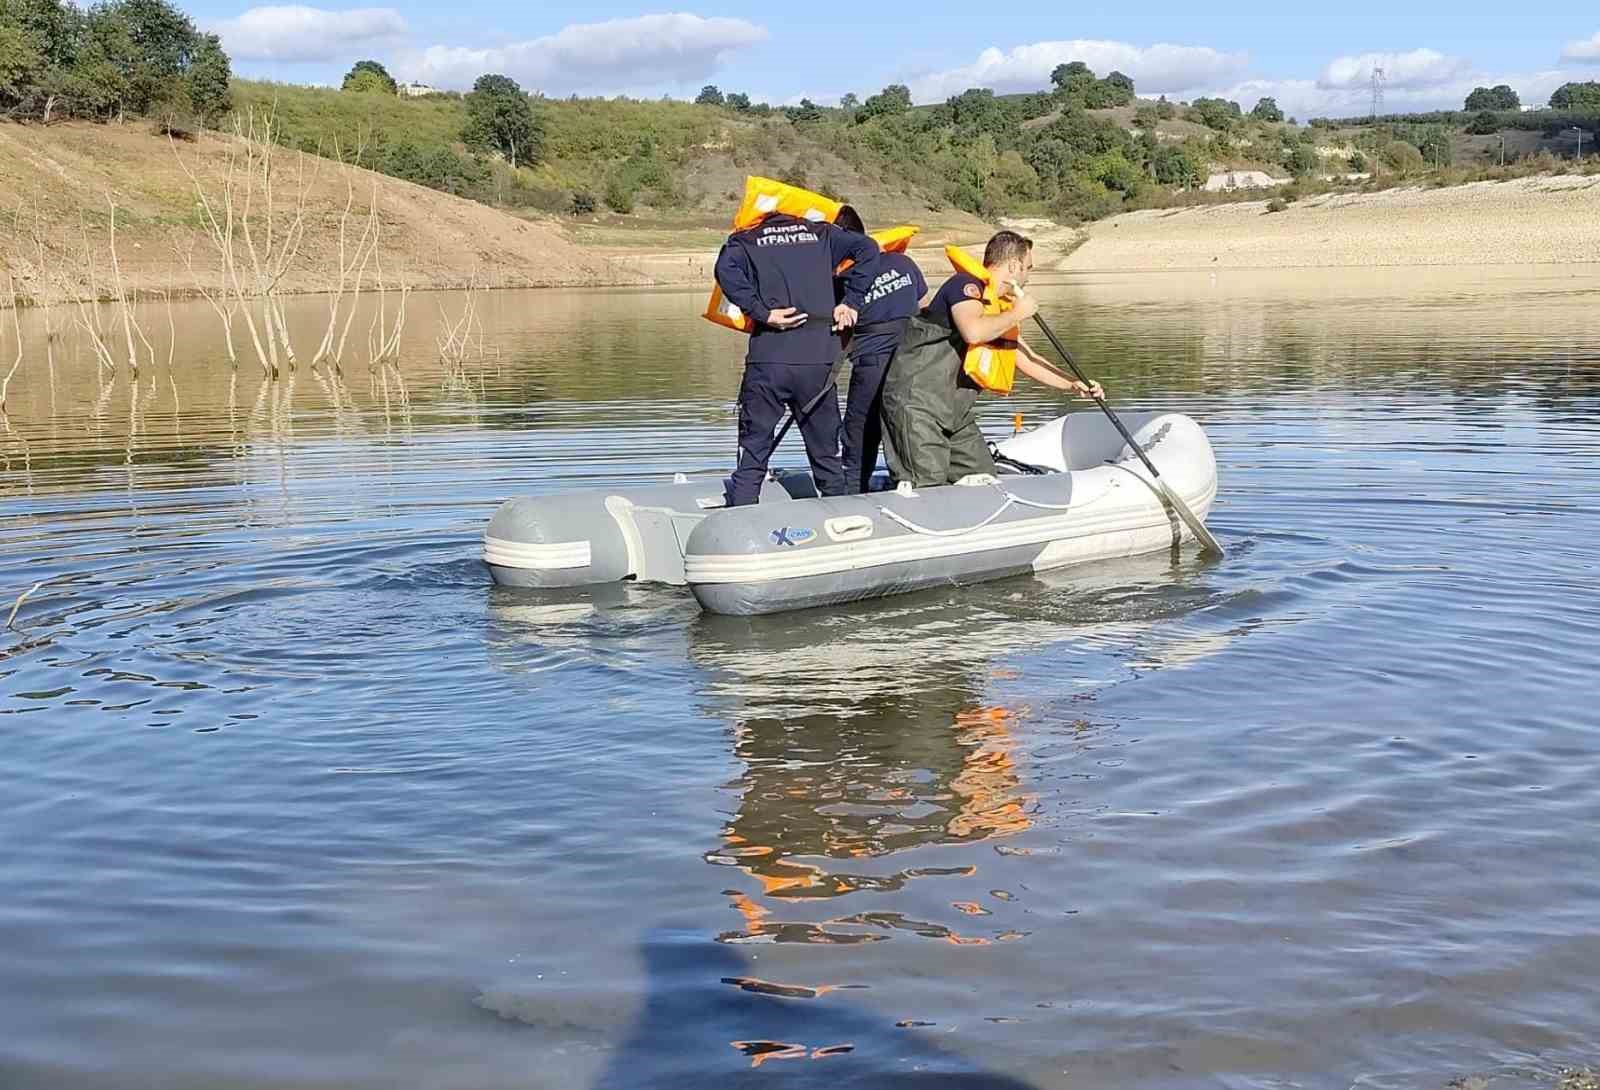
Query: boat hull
[(795, 550)]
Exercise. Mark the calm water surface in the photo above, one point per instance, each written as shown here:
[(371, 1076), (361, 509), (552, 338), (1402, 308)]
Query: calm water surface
[(295, 798)]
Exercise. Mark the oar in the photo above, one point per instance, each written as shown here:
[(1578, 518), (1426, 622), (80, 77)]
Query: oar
[(1207, 542)]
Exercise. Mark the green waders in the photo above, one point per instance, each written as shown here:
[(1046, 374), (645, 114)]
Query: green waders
[(930, 423)]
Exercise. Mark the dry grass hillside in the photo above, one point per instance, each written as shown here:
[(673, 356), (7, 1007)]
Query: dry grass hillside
[(59, 183)]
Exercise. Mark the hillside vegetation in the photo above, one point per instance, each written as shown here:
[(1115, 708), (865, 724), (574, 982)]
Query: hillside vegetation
[(663, 175)]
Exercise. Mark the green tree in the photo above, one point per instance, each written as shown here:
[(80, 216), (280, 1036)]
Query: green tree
[(163, 36), (208, 79), (1122, 82), (709, 96), (738, 101), (807, 111), (1115, 172), (1165, 110), (1267, 110), (975, 111), (53, 27), (619, 194), (1064, 75), (22, 65), (1215, 113), (892, 101), (1576, 96), (1301, 160), (849, 101), (100, 83), (405, 160), (1177, 166), (369, 76), (1499, 97), (501, 118)]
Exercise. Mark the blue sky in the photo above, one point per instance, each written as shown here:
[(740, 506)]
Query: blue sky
[(1314, 63)]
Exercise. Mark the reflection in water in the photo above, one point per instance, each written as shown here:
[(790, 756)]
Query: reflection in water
[(862, 735), (694, 1030)]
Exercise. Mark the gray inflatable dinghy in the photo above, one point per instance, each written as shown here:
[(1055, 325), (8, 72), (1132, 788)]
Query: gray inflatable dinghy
[(794, 549)]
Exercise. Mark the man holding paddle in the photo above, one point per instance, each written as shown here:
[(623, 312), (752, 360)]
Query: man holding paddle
[(929, 398)]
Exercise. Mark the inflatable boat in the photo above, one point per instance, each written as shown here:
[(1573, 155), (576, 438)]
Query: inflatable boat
[(1069, 491)]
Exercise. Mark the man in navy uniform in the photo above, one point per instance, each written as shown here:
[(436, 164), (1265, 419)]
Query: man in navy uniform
[(895, 295), (780, 273)]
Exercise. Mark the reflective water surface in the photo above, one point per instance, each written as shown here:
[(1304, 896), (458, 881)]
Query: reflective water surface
[(294, 798)]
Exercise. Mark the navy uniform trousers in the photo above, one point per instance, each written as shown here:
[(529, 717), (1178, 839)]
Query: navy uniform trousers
[(767, 392), (871, 349)]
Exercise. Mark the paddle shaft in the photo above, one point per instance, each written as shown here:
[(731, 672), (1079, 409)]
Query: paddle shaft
[(1116, 421), (1201, 534)]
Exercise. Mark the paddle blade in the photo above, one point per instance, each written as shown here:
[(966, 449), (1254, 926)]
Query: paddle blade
[(1207, 542)]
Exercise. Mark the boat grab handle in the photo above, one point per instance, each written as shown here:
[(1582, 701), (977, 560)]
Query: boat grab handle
[(849, 527)]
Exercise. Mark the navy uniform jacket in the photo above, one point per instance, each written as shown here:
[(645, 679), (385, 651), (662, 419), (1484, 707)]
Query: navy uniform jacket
[(895, 295), (785, 261)]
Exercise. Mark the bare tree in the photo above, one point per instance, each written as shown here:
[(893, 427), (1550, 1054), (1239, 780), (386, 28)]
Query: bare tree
[(16, 328), (91, 315), (352, 266), (256, 231)]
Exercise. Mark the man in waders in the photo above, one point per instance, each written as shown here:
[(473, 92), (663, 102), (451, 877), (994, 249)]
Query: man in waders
[(930, 420), (780, 273), (895, 296)]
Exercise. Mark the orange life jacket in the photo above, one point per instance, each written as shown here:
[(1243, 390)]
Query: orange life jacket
[(722, 312), (993, 366)]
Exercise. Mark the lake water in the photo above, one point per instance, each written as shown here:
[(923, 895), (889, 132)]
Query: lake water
[(295, 799)]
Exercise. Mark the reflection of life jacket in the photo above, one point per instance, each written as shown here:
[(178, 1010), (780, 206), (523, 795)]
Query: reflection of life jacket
[(764, 197), (993, 366)]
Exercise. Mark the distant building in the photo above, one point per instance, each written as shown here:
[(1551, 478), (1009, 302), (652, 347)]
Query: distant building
[(1242, 179), (418, 90)]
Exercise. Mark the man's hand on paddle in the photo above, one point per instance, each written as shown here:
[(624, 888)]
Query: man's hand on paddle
[(1023, 308)]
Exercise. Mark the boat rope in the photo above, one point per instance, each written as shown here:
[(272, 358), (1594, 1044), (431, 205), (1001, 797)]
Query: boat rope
[(1011, 500)]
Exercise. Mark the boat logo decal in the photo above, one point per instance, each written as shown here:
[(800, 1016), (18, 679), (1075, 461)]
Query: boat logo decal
[(792, 535)]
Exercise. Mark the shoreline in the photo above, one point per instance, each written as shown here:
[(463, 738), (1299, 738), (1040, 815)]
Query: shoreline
[(62, 178)]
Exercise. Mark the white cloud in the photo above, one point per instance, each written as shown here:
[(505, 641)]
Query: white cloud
[(294, 32), (1305, 99), (1585, 51), (615, 55), (1420, 68), (1156, 69)]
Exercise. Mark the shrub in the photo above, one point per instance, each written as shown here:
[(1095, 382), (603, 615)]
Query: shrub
[(1484, 124), (1400, 157), (1277, 204), (583, 203), (619, 194)]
